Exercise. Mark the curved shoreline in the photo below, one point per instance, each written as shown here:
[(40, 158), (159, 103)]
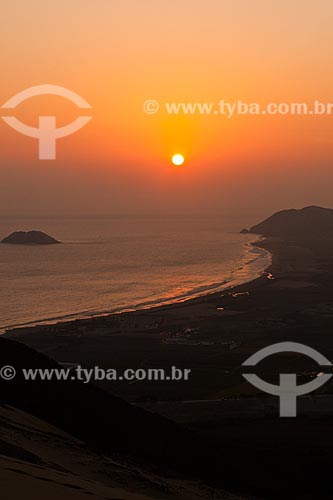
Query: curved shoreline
[(199, 292)]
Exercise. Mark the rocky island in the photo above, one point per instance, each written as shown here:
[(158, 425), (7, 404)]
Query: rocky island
[(30, 238)]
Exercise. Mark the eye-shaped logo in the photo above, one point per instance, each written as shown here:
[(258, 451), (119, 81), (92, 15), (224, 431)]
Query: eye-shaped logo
[(288, 390), (47, 133)]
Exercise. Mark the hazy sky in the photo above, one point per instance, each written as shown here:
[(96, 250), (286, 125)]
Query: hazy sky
[(118, 53)]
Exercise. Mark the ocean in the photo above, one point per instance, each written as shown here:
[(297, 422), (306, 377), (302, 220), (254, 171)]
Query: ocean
[(118, 264)]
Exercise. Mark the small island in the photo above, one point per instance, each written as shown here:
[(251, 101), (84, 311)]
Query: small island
[(29, 238)]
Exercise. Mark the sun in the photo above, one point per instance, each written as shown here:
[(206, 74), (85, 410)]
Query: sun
[(178, 159)]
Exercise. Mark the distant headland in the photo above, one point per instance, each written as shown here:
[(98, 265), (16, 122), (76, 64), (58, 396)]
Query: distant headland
[(29, 238), (309, 222)]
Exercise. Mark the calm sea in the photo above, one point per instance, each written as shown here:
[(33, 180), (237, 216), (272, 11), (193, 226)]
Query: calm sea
[(115, 264)]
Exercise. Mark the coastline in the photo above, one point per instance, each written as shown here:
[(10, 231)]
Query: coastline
[(235, 279), (213, 335), (208, 334)]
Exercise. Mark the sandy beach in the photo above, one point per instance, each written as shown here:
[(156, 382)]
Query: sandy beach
[(212, 336), (219, 330)]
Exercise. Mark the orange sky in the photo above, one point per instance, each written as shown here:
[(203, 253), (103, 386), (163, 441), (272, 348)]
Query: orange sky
[(118, 53)]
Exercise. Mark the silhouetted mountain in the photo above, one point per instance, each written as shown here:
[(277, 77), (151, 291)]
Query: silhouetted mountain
[(29, 238), (309, 222), (105, 422), (126, 434)]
